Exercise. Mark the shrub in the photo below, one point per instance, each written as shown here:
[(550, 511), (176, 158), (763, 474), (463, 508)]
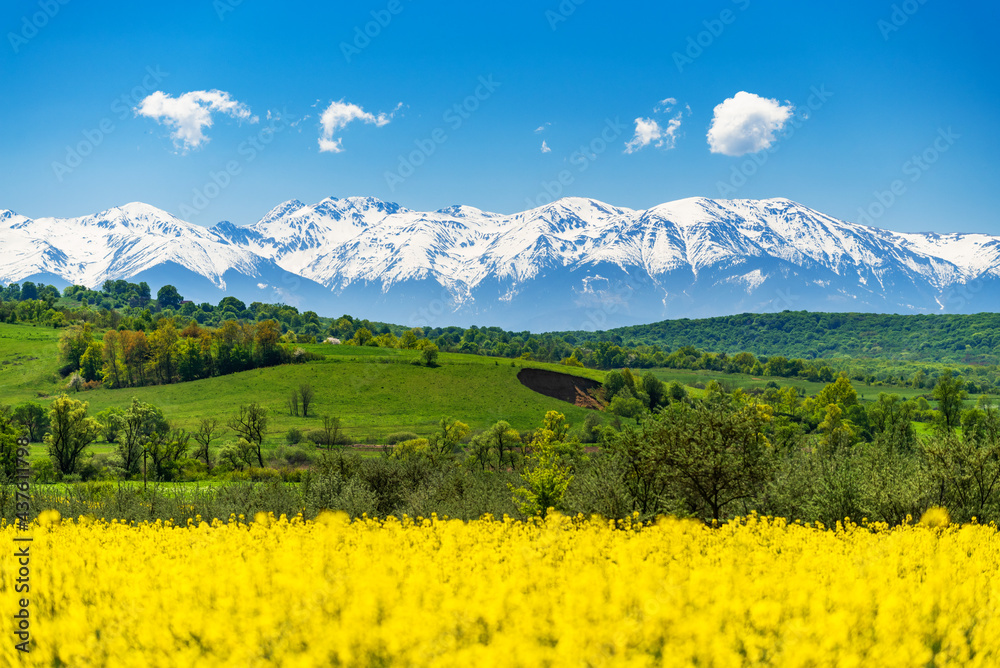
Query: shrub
[(293, 436), (44, 472), (399, 437)]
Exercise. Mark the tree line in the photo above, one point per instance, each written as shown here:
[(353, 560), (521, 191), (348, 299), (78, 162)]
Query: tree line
[(127, 358)]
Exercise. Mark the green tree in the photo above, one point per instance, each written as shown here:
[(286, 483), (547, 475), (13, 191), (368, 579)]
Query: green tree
[(71, 432), (362, 337), (544, 482), (168, 297), (9, 433), (712, 455), (965, 473), (73, 344), (33, 418), (838, 433), (111, 423), (890, 419), (949, 391), (430, 354), (139, 424), (92, 362)]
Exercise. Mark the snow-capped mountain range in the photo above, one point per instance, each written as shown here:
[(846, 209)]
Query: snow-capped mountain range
[(572, 264)]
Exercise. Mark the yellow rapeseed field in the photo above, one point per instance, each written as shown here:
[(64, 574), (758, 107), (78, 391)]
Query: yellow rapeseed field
[(563, 591)]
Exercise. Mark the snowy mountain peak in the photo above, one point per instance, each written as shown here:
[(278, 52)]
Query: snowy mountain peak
[(562, 265)]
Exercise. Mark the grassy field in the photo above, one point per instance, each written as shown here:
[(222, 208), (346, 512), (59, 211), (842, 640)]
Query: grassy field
[(374, 391), (28, 362)]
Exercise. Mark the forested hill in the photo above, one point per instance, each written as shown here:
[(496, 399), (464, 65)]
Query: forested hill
[(968, 339)]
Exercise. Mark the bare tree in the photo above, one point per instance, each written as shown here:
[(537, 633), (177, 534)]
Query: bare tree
[(306, 395), (332, 432), (250, 422), (293, 404), (208, 430)]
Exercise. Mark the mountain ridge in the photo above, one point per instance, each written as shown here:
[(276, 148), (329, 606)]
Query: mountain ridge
[(553, 265)]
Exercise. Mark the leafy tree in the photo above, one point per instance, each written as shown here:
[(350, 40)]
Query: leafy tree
[(449, 436), (73, 344), (950, 394), (890, 420), (9, 433), (546, 479), (168, 297), (981, 423), (92, 362), (33, 418), (965, 473), (76, 382), (430, 354), (838, 433), (71, 432), (713, 455), (362, 337), (655, 389), (111, 423), (495, 447), (165, 451), (140, 423)]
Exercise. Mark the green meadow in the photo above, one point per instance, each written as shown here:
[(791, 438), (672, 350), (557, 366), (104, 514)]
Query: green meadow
[(374, 391)]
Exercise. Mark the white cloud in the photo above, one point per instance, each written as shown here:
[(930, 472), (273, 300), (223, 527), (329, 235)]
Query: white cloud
[(189, 114), (545, 147), (541, 128), (338, 115), (665, 105), (650, 131), (746, 123)]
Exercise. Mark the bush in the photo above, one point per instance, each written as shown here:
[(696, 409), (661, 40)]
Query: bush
[(400, 436), (318, 436), (255, 474), (43, 472), (293, 436), (328, 490)]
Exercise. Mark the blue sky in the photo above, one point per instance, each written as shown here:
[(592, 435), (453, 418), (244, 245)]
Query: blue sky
[(450, 102)]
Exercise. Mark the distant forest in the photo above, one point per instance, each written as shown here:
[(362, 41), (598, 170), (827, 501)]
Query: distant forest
[(960, 339)]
